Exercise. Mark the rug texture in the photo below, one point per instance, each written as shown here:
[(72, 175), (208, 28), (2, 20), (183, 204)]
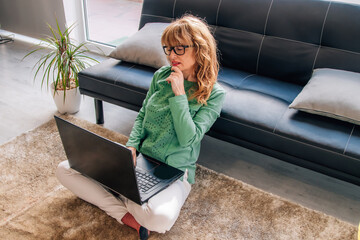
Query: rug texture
[(35, 206)]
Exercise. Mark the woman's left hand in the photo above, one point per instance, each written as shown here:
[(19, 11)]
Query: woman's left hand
[(133, 151), (176, 79)]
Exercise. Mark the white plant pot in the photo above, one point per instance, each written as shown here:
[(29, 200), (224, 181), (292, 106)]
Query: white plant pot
[(72, 100)]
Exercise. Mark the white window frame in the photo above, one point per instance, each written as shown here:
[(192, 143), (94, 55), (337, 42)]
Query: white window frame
[(75, 14)]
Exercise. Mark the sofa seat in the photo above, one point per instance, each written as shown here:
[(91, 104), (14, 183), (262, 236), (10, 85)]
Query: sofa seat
[(256, 114), (260, 101), (263, 103), (117, 82)]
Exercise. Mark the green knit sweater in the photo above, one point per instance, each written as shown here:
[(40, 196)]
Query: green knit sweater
[(169, 128)]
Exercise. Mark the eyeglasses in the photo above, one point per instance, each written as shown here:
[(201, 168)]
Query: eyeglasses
[(178, 50)]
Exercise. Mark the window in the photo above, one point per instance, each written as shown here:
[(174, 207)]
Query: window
[(104, 23), (110, 22)]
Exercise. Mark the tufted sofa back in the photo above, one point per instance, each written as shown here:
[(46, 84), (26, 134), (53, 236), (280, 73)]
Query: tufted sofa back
[(282, 39)]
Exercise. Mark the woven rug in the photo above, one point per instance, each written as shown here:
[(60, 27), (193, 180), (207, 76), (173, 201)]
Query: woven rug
[(35, 206)]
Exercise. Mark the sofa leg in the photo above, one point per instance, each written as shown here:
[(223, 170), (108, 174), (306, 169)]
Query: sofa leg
[(99, 111)]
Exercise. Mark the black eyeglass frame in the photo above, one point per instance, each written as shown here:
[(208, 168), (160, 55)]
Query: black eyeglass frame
[(173, 49)]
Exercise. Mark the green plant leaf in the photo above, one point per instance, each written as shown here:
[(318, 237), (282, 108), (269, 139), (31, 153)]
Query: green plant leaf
[(63, 59)]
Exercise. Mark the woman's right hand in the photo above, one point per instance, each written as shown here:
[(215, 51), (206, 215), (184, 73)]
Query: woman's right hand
[(133, 151), (176, 79)]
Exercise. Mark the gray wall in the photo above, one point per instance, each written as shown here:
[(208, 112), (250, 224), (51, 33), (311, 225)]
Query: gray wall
[(29, 17)]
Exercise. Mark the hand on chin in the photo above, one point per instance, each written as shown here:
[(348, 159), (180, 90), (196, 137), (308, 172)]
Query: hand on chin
[(176, 79)]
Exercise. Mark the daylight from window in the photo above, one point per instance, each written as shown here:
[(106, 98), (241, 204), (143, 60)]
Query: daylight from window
[(111, 21)]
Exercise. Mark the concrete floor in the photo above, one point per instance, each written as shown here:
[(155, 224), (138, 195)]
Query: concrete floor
[(24, 106)]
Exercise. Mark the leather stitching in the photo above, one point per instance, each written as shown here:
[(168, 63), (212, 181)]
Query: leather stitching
[(321, 35), (279, 120), (152, 15), (263, 37), (173, 13), (267, 17), (349, 139), (258, 57), (217, 14)]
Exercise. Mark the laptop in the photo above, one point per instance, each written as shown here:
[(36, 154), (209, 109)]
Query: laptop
[(111, 164)]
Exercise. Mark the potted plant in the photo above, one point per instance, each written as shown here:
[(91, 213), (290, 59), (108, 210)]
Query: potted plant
[(60, 67)]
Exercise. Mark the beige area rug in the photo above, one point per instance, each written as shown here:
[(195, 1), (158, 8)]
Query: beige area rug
[(35, 206)]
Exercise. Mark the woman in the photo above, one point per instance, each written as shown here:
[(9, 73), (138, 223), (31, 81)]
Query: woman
[(181, 105)]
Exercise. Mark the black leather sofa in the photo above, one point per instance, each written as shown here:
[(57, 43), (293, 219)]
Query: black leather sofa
[(269, 49)]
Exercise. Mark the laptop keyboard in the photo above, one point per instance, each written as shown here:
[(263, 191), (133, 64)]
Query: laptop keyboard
[(146, 181)]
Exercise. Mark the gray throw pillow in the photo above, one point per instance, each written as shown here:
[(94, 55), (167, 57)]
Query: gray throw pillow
[(144, 47), (332, 93)]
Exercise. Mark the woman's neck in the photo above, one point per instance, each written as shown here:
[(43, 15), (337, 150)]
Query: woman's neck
[(189, 77)]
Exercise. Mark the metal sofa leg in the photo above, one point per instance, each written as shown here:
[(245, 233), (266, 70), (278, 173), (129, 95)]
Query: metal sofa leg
[(99, 111)]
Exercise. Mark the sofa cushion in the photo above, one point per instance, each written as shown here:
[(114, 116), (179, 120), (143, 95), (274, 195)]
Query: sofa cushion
[(144, 47), (259, 101), (321, 140), (252, 108), (332, 93), (238, 79), (315, 130)]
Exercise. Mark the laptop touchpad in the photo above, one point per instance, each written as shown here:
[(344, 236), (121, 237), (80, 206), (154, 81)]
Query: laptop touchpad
[(145, 164)]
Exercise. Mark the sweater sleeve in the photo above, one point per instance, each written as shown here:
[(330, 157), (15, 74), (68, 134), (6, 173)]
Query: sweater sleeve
[(137, 133), (190, 130)]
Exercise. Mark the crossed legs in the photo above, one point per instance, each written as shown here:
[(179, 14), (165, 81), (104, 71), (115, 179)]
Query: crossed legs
[(158, 214)]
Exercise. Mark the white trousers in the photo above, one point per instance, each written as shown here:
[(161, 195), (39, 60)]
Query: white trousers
[(158, 214)]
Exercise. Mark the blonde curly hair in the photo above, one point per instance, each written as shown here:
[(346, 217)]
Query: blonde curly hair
[(193, 30)]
